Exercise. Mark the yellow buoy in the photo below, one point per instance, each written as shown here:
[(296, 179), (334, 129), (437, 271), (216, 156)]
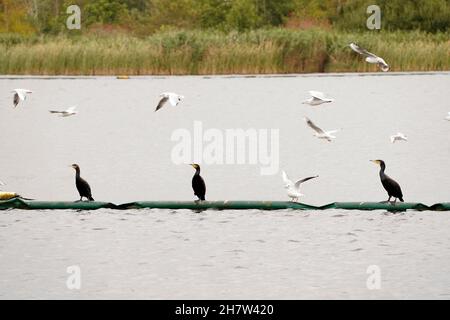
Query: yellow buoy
[(8, 195)]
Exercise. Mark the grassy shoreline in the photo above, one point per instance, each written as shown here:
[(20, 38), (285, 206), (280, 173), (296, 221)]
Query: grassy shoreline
[(272, 51)]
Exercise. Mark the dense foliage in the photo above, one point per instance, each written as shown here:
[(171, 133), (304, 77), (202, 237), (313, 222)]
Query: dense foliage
[(143, 17)]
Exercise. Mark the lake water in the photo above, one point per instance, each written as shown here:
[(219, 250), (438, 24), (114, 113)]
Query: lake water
[(125, 151)]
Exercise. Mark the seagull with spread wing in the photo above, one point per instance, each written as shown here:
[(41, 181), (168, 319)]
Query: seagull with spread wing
[(66, 113), (170, 97), (319, 133), (398, 137), (293, 189), (370, 57), (20, 95), (448, 117), (317, 98)]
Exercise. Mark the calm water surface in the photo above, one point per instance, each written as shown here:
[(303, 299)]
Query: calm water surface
[(124, 150)]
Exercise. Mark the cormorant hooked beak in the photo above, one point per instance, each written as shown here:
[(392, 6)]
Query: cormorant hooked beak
[(376, 161)]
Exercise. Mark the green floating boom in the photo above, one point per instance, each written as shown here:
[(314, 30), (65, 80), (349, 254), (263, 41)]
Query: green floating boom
[(18, 203)]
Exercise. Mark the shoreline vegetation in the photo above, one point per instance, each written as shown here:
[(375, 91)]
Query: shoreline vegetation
[(197, 52)]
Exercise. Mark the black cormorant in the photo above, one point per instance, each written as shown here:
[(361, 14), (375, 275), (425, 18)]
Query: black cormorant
[(82, 186), (198, 184), (390, 185)]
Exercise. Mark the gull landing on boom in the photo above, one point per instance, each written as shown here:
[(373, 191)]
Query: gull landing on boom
[(293, 189)]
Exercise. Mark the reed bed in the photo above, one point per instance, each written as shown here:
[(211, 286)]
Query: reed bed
[(210, 52)]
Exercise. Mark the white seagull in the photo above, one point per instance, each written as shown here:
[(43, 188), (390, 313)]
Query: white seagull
[(398, 137), (370, 57), (448, 117), (317, 98), (66, 113), (2, 183), (20, 95), (173, 99), (319, 133), (293, 189)]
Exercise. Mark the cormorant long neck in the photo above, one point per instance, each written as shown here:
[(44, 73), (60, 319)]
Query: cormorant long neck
[(382, 168), (197, 171), (77, 174)]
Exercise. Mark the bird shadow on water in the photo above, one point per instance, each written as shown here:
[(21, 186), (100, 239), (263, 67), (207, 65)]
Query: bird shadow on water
[(339, 215), (393, 213), (199, 210)]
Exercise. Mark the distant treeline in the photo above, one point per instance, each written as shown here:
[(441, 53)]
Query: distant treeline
[(144, 17), (262, 51)]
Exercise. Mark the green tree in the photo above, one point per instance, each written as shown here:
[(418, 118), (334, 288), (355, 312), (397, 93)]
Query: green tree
[(105, 11), (178, 14), (274, 12), (243, 15), (213, 13)]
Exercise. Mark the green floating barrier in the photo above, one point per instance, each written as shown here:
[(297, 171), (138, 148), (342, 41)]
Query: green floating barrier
[(18, 203)]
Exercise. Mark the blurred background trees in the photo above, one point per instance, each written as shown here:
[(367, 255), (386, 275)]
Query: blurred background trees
[(143, 17)]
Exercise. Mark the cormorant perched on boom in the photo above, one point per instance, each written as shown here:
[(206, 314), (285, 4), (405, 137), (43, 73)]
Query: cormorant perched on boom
[(390, 185), (82, 186), (198, 184)]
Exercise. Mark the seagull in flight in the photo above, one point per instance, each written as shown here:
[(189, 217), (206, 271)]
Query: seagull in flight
[(319, 133), (2, 183), (66, 113), (293, 189), (171, 97), (448, 117), (20, 95), (398, 137), (317, 98), (370, 57)]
